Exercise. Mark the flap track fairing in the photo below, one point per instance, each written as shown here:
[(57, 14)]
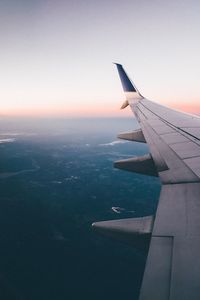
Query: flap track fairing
[(135, 136), (134, 231), (142, 165)]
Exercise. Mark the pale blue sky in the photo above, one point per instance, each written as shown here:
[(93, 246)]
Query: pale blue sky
[(56, 56)]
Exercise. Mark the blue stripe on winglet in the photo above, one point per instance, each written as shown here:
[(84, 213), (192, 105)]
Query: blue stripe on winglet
[(126, 83)]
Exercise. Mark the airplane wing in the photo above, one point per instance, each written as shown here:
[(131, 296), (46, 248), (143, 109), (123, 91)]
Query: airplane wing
[(173, 264)]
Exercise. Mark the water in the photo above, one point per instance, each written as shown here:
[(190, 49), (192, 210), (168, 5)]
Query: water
[(56, 178)]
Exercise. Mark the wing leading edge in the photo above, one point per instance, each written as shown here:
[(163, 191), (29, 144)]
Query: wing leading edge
[(173, 266)]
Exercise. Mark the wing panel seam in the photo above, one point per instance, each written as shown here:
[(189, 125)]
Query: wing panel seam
[(170, 124)]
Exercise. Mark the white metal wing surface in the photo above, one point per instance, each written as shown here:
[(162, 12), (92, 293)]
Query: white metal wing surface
[(173, 264)]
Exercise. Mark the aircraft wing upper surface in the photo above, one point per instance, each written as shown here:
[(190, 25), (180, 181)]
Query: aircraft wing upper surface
[(173, 264)]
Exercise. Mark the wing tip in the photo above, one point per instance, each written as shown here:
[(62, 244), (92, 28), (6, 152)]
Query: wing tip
[(127, 85), (117, 64)]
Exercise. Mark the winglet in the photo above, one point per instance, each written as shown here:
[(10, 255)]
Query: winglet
[(128, 86)]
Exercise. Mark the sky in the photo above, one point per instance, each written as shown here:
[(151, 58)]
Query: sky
[(56, 56)]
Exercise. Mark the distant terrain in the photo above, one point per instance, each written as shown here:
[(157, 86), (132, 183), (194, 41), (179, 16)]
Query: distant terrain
[(56, 178)]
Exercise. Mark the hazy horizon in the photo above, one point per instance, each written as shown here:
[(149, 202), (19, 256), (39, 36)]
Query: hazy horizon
[(116, 112)]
